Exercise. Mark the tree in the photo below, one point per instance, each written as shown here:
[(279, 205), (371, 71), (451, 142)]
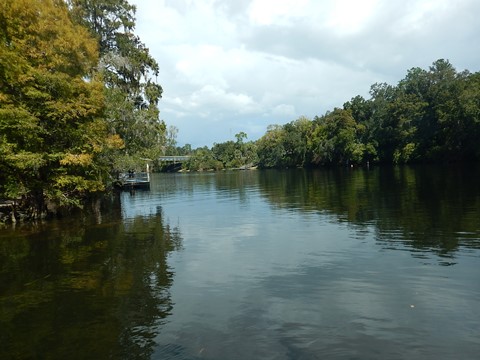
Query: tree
[(244, 152), (225, 153), (362, 112), (270, 147), (433, 105), (53, 141), (470, 109), (446, 87), (250, 155), (185, 149), (297, 141), (171, 140), (240, 137), (360, 108), (235, 154), (128, 69), (203, 159), (335, 139), (383, 127)]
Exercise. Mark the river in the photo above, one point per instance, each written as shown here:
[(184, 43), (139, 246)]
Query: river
[(380, 263)]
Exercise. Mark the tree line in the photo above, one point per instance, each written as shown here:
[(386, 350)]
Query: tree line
[(78, 99), (79, 103), (431, 115)]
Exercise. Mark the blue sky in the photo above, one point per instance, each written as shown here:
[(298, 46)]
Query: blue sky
[(241, 65)]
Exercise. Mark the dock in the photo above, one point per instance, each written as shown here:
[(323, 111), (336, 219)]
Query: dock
[(135, 180)]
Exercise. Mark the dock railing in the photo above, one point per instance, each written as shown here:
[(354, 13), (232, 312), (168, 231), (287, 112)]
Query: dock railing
[(135, 180)]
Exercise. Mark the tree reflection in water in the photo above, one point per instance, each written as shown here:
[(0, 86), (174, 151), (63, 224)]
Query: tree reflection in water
[(77, 291), (429, 209)]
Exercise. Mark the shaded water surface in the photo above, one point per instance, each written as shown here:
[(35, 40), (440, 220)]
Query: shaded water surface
[(330, 264)]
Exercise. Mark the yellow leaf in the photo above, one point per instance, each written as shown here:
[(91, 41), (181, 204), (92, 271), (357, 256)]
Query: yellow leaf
[(77, 159)]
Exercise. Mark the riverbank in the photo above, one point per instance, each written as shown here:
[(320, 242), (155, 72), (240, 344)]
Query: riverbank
[(7, 212), (16, 211)]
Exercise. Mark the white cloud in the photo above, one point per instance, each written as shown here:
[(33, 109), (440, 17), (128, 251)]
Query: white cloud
[(229, 66), (266, 12), (420, 15), (350, 16), (219, 98), (284, 110)]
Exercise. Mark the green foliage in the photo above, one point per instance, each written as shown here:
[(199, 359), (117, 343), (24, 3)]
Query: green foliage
[(228, 155), (271, 148), (171, 141), (286, 146), (296, 142), (238, 154), (202, 159), (431, 115), (225, 153), (127, 68), (53, 142), (335, 140)]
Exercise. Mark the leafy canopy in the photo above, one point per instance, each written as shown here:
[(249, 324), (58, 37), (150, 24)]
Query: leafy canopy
[(52, 136)]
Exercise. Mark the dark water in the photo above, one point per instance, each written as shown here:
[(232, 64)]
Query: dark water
[(331, 264)]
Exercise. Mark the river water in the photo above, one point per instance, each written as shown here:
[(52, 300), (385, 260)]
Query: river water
[(295, 264)]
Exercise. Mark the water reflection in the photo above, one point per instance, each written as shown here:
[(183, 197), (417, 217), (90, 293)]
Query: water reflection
[(273, 265), (431, 209), (71, 290)]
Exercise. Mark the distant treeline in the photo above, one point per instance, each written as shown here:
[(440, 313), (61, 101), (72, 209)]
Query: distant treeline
[(429, 116)]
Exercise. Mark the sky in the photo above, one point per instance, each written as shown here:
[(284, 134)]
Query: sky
[(230, 66)]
